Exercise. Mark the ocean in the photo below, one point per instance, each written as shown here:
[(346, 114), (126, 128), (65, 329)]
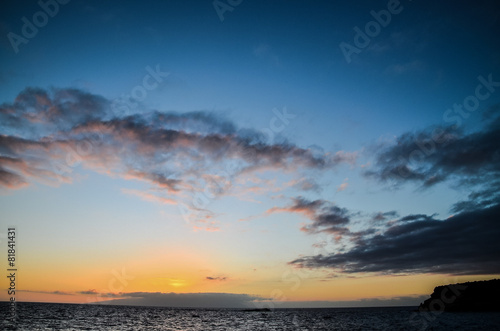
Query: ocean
[(48, 316)]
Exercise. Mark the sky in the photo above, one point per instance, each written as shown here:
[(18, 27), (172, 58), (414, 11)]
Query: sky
[(237, 153)]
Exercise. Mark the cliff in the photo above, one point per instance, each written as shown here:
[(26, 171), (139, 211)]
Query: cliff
[(470, 296)]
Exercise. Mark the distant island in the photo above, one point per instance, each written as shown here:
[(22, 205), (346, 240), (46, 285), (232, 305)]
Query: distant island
[(464, 297)]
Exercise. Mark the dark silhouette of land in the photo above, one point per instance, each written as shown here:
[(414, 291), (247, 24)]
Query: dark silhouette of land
[(462, 297), (258, 309)]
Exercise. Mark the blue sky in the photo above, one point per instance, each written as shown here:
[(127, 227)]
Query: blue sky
[(324, 174)]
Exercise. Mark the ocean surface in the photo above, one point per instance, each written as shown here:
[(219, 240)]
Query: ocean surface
[(46, 316)]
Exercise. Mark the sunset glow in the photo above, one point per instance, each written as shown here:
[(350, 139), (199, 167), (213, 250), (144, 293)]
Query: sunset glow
[(277, 154)]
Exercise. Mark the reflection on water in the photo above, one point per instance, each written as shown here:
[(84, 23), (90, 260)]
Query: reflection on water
[(33, 316)]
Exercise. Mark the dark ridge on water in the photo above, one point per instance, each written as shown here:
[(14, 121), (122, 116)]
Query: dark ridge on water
[(465, 297)]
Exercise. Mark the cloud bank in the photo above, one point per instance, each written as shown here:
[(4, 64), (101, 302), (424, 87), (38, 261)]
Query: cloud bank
[(464, 244), (230, 300), (325, 216), (44, 135), (438, 153), (186, 300)]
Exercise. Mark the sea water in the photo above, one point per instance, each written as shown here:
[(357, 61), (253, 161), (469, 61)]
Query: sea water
[(48, 316)]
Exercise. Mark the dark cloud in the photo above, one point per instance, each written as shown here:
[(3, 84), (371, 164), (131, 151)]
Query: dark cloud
[(307, 184), (384, 216), (464, 244), (101, 294), (88, 292), (47, 292), (216, 278), (436, 154), (186, 300), (179, 300), (416, 217), (196, 121), (488, 195), (36, 112), (325, 216)]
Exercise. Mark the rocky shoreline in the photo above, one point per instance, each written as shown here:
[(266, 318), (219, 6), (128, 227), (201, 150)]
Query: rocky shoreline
[(462, 297)]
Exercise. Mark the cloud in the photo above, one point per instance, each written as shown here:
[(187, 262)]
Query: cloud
[(387, 243), (100, 294), (325, 216), (384, 216), (11, 180), (186, 300), (343, 186), (487, 196), (149, 197), (465, 244), (48, 292), (89, 292), (36, 112), (216, 278), (469, 161), (437, 154), (305, 184), (22, 159), (229, 300), (46, 134), (209, 228)]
